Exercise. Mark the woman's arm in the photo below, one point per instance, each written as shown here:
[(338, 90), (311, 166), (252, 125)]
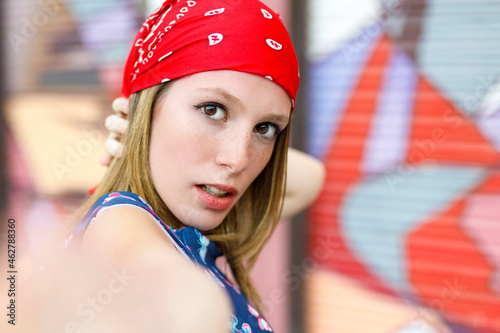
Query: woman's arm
[(305, 178)]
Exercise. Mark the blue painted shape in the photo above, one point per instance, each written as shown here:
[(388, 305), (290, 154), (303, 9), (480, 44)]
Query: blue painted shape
[(113, 46), (378, 214), (331, 81), (84, 9), (459, 48), (387, 143), (456, 328)]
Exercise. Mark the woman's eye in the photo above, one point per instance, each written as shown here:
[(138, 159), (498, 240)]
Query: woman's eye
[(214, 111), (267, 130)]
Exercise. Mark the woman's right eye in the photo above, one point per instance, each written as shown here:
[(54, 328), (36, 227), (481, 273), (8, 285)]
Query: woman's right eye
[(213, 110)]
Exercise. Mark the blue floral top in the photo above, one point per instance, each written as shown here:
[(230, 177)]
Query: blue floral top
[(194, 245)]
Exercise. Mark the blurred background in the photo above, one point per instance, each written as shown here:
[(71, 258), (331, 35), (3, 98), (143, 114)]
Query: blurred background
[(399, 98)]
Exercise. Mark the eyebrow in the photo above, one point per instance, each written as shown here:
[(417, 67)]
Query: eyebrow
[(224, 94), (235, 100), (279, 118)]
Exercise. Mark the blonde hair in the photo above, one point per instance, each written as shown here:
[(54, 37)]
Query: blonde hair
[(248, 225)]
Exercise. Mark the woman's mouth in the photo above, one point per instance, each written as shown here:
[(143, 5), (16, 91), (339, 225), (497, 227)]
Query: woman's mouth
[(217, 197), (214, 191)]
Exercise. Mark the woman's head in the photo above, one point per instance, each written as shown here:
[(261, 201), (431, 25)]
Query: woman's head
[(205, 145), (217, 52)]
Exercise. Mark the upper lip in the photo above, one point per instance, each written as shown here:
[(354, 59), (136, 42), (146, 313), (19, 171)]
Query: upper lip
[(226, 188)]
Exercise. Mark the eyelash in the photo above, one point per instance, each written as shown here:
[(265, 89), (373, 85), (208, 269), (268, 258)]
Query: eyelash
[(201, 107), (276, 129)]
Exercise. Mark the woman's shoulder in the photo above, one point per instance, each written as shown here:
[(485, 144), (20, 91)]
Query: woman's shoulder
[(121, 226), (124, 244)]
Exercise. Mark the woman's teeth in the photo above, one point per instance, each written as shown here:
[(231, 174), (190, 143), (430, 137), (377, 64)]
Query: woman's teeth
[(214, 191)]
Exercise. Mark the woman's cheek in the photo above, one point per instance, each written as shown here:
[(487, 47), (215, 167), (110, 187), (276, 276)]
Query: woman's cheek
[(262, 157)]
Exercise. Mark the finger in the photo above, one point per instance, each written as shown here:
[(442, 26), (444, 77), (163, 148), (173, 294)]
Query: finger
[(113, 146), (105, 160), (120, 106), (116, 124)]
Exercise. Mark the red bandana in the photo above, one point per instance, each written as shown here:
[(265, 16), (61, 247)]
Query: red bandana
[(187, 37)]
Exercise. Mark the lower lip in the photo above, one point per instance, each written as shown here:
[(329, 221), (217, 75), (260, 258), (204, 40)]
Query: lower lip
[(214, 202)]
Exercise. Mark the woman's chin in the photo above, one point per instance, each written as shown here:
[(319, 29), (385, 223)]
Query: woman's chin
[(203, 220)]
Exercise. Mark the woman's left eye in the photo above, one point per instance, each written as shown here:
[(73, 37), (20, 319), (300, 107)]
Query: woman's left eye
[(267, 130), (213, 110)]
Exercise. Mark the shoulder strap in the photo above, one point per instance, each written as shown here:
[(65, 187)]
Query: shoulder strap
[(113, 199)]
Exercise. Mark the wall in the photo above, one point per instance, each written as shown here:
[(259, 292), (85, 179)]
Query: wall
[(404, 105)]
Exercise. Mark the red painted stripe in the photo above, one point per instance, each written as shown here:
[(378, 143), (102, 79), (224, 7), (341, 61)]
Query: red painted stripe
[(343, 165), (453, 276), (441, 132)]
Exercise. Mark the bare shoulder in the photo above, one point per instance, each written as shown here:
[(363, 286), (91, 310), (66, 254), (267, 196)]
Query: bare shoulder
[(124, 234), (130, 269), (173, 289)]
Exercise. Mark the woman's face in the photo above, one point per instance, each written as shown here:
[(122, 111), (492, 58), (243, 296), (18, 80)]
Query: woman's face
[(212, 134)]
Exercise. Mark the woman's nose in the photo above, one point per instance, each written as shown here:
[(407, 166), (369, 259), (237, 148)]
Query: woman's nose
[(235, 152)]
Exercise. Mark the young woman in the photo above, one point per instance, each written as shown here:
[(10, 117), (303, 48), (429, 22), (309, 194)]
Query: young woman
[(212, 85)]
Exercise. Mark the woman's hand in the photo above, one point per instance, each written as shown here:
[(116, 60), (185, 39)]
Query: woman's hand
[(117, 125)]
